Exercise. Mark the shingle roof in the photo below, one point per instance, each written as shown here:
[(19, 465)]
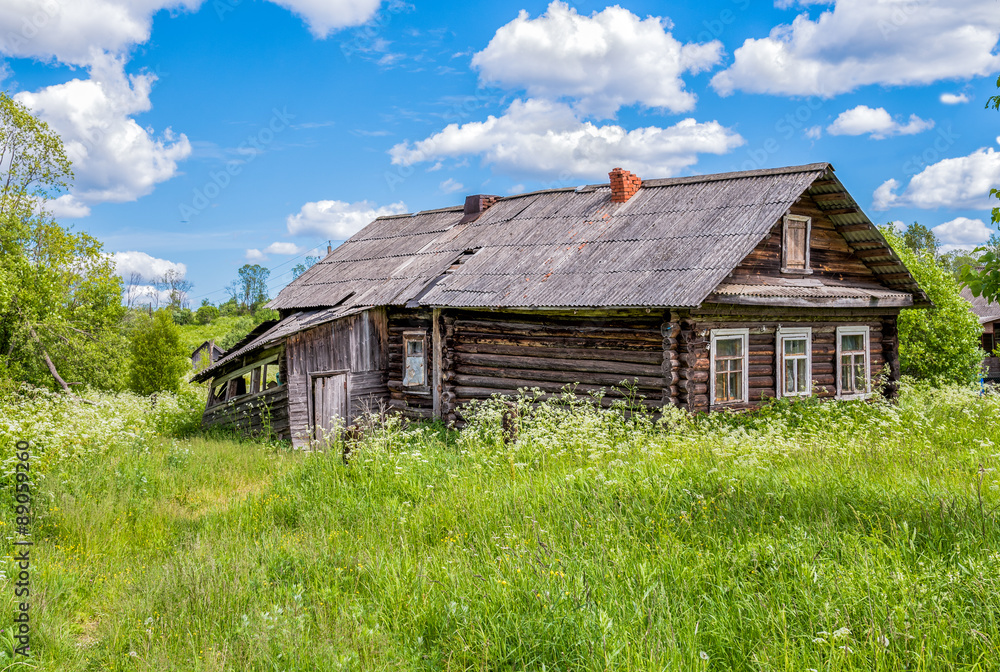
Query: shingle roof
[(670, 245), (987, 311)]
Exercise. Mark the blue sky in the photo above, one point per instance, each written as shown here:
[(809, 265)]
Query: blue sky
[(209, 133)]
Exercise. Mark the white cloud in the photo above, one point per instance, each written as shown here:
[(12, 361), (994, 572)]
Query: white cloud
[(148, 267), (954, 98), (67, 206), (879, 123), (326, 16), (450, 186), (338, 220), (961, 182), (814, 132), (114, 158), (546, 139), (861, 42), (962, 232), (78, 31), (602, 61), (274, 248)]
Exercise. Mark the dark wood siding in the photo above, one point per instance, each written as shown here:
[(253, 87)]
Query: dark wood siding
[(489, 352), (694, 337), (829, 254), (414, 402)]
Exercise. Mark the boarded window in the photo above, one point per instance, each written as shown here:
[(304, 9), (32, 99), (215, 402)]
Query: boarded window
[(853, 374), (795, 362), (795, 247), (729, 365), (415, 354)]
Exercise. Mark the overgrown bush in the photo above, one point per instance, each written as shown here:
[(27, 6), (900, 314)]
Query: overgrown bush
[(939, 344), (206, 314), (158, 359)]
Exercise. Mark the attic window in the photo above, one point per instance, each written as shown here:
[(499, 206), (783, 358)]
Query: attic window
[(796, 232)]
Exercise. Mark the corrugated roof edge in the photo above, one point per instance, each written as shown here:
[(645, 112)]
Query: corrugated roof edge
[(656, 182)]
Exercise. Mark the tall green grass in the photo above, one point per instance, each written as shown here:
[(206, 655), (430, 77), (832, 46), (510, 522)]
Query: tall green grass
[(824, 536)]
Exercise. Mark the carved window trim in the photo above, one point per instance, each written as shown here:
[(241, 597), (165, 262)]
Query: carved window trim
[(742, 335), (867, 359), (793, 334)]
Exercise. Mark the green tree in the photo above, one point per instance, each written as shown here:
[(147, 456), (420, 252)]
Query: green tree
[(918, 238), (304, 266), (158, 358), (939, 344), (249, 290), (60, 300), (983, 278), (206, 313)]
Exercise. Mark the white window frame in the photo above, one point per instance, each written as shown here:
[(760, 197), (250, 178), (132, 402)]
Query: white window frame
[(854, 331), (784, 243), (793, 333), (726, 334)]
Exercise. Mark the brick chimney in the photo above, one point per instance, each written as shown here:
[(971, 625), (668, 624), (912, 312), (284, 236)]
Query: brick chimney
[(476, 205), (623, 185)]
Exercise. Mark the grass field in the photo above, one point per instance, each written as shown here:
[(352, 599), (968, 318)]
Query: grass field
[(835, 536)]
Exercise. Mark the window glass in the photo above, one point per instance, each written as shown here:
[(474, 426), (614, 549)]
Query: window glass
[(853, 364), (729, 369), (415, 367)]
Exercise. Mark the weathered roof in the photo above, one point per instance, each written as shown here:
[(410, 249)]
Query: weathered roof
[(987, 311), (670, 245), (272, 332)]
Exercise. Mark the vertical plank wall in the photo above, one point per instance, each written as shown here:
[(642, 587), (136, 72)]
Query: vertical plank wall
[(356, 343)]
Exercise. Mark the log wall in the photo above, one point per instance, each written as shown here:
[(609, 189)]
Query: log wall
[(694, 338), (490, 352), (413, 402)]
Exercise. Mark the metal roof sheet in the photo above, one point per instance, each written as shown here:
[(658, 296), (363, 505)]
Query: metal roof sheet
[(670, 245)]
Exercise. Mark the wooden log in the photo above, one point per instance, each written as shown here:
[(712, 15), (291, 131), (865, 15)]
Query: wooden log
[(555, 364), (466, 372), (551, 350)]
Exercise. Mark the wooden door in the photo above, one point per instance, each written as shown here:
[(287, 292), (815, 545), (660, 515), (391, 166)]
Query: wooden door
[(329, 403)]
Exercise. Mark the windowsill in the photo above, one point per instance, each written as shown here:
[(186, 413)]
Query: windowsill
[(851, 397), (419, 390), (797, 271)]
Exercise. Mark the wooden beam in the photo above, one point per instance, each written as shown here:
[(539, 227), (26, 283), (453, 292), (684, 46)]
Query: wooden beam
[(894, 276), (835, 196), (437, 352), (824, 183), (840, 211), (873, 253), (850, 228)]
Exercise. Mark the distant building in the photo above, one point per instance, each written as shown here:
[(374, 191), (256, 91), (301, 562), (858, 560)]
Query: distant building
[(707, 293), (205, 354), (989, 317)]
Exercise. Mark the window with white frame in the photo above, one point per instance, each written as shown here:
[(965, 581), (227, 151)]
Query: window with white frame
[(853, 369), (794, 348), (729, 349), (796, 231)]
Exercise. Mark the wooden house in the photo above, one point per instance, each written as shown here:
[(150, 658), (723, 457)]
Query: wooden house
[(709, 292), (205, 354), (988, 313)]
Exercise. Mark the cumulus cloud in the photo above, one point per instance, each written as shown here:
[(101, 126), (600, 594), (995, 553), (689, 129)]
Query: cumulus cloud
[(954, 98), (450, 186), (860, 42), (602, 61), (961, 182), (546, 139), (962, 232), (114, 158), (147, 267), (78, 31), (274, 248), (325, 16), (877, 122), (338, 220), (67, 206)]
